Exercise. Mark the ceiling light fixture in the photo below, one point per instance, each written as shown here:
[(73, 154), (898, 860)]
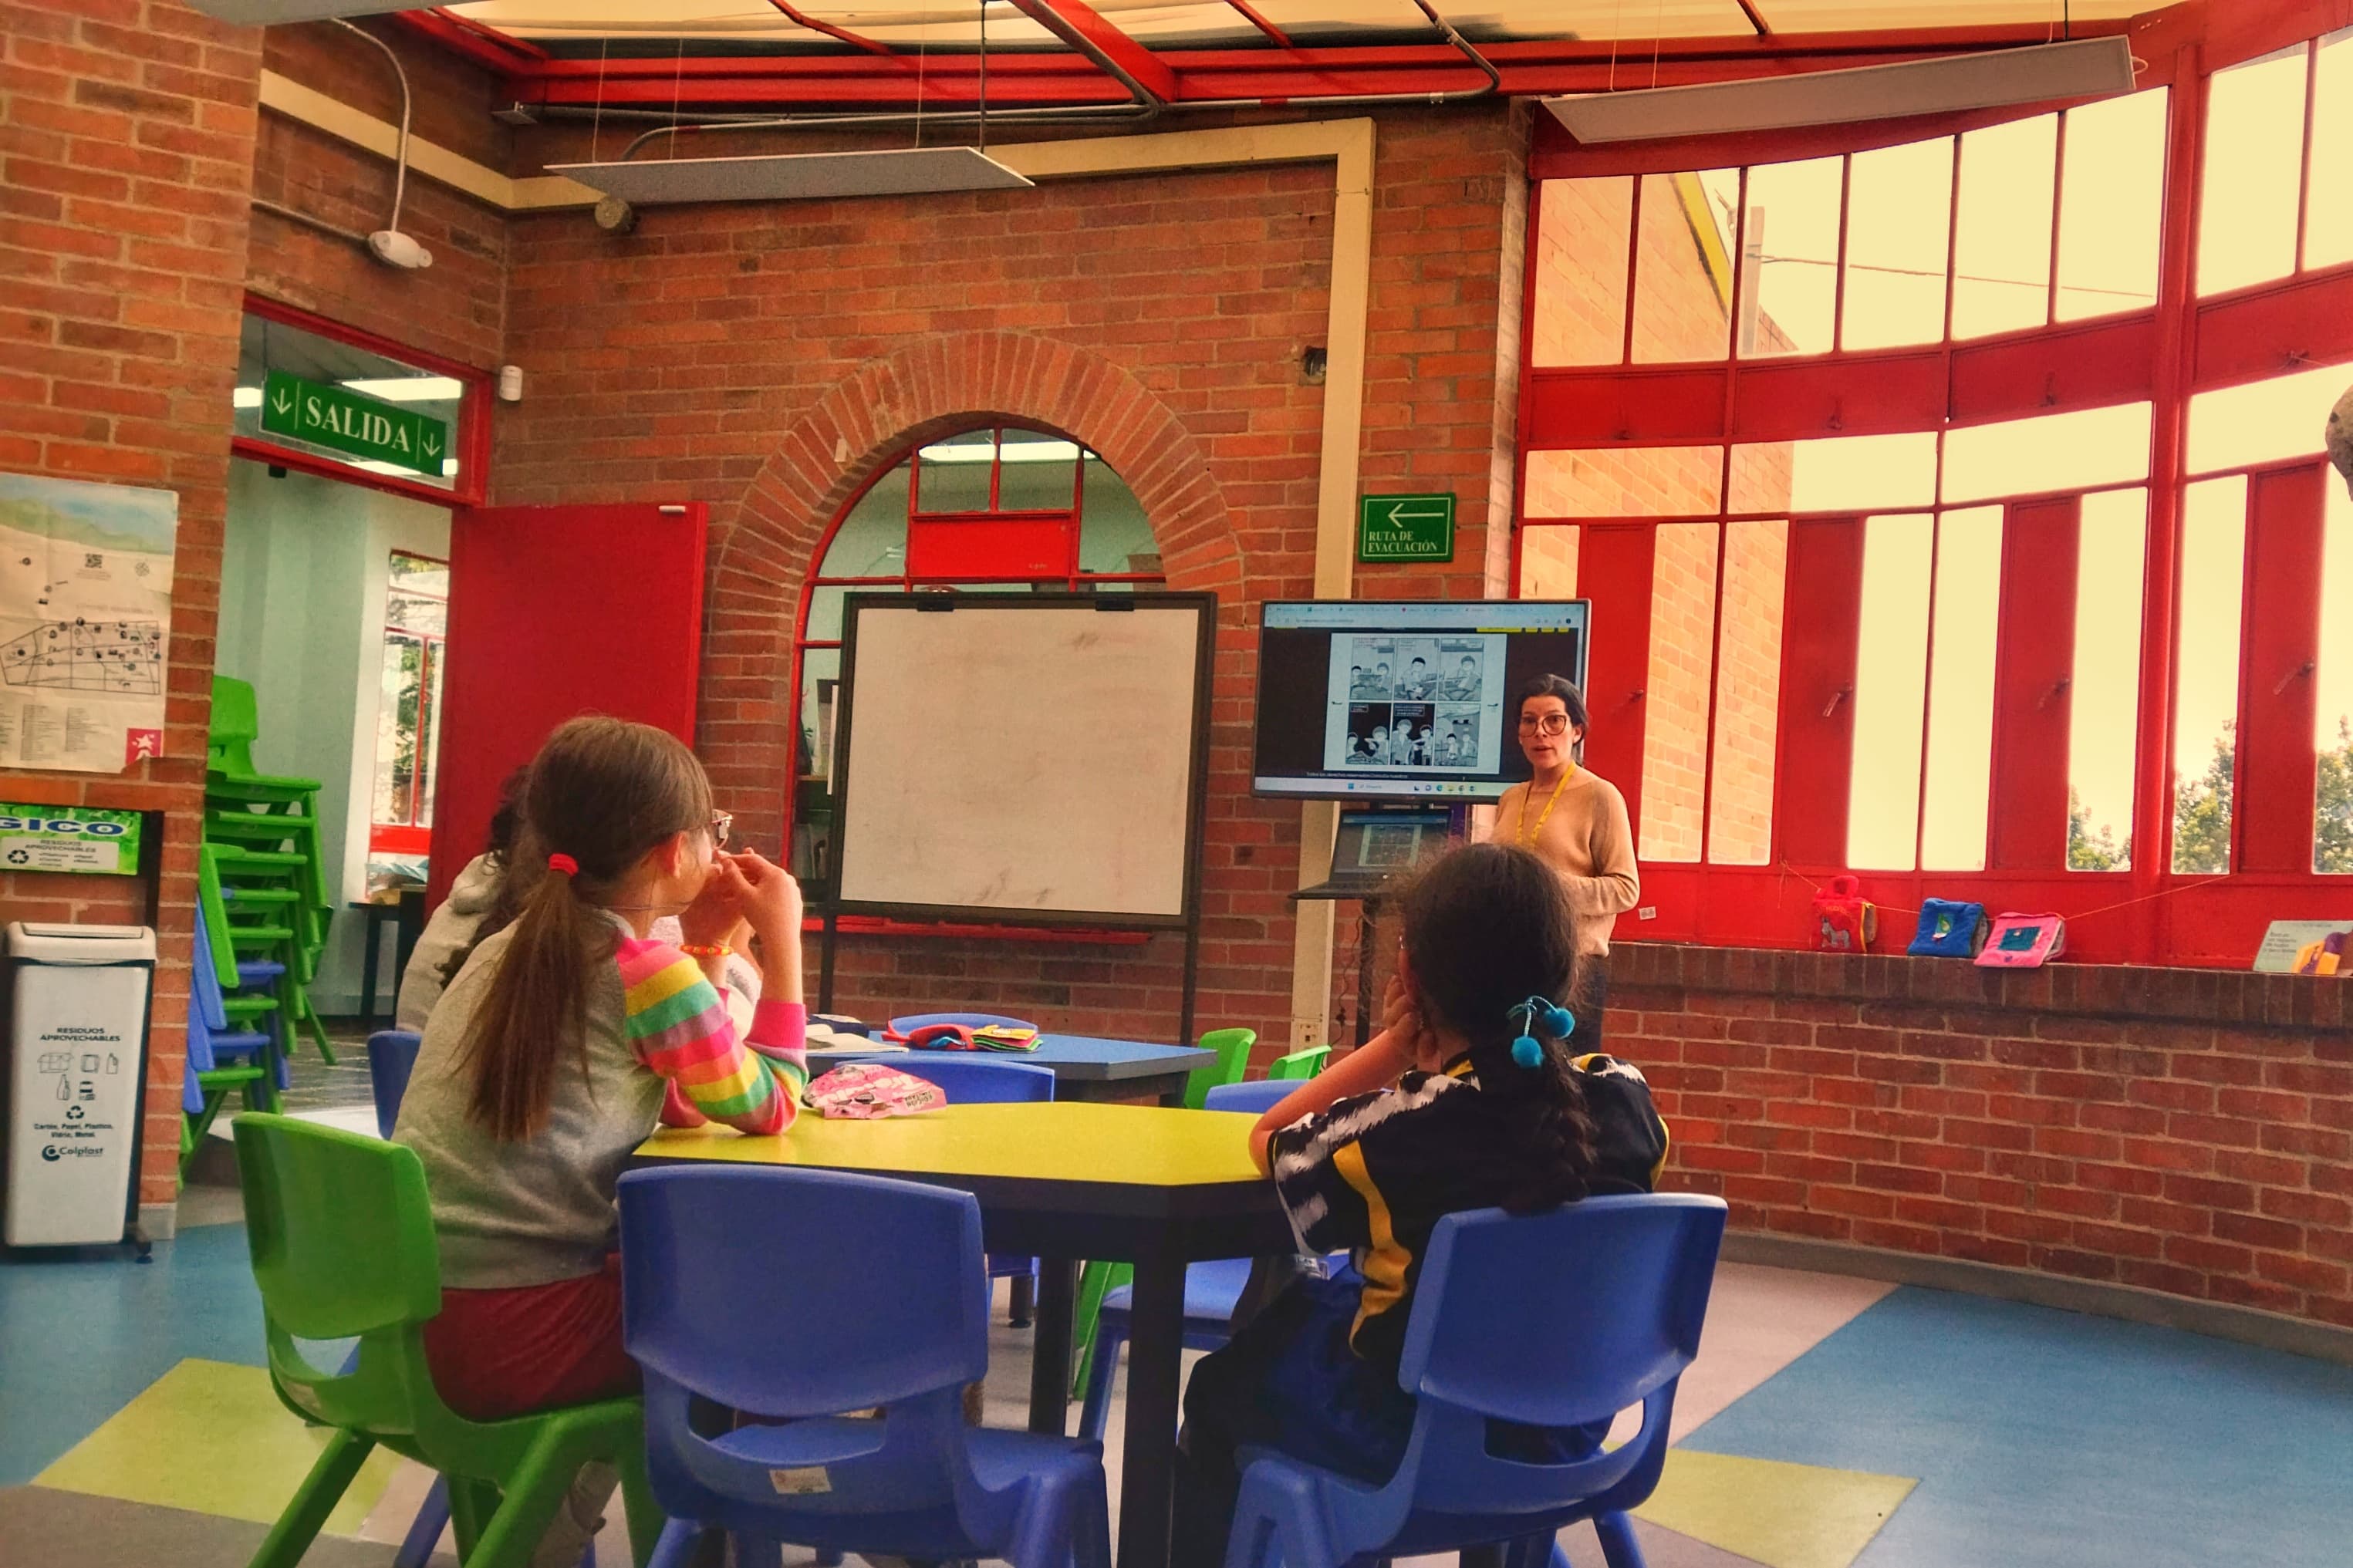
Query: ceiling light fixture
[(271, 13), (2037, 73), (796, 176)]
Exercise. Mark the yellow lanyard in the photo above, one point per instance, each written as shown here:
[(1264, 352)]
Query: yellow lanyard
[(1528, 836)]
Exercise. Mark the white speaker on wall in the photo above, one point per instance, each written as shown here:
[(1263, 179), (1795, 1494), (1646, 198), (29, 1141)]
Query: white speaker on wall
[(270, 13)]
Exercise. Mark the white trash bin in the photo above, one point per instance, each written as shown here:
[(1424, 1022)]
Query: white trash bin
[(77, 1036)]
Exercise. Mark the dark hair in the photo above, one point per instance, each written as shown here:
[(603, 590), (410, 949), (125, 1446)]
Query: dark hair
[(506, 831), (605, 793), (1488, 926), (1570, 697)]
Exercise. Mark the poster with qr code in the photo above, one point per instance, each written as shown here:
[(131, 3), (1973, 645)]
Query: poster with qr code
[(85, 618)]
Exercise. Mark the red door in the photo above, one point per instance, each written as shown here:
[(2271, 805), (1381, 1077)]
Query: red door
[(556, 611)]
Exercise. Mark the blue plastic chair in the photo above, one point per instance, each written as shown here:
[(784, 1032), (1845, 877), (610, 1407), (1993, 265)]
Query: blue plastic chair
[(1554, 1320), (713, 1261), (914, 1021), (392, 1057), (1212, 1290), (1258, 1096), (972, 1079)]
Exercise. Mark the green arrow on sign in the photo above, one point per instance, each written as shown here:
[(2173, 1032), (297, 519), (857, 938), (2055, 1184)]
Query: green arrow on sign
[(344, 420), (1406, 528)]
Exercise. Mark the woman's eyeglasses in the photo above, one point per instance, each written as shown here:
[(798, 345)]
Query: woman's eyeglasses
[(720, 821), (1543, 724)]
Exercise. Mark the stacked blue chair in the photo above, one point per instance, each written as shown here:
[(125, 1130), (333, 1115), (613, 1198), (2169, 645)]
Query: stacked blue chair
[(713, 1259), (235, 1041), (1556, 1319), (1212, 1290)]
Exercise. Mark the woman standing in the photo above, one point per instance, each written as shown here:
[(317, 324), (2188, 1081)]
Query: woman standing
[(1576, 822)]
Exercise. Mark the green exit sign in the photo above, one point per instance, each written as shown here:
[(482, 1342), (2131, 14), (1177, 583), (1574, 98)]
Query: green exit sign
[(341, 419), (1404, 528)]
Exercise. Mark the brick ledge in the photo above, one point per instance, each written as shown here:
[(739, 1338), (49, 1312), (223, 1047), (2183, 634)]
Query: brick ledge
[(2228, 998)]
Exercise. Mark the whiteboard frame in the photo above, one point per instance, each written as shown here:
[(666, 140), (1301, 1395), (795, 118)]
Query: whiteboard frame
[(1204, 607)]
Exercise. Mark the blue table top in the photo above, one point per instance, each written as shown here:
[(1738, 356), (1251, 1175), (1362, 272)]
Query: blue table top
[(1068, 1056)]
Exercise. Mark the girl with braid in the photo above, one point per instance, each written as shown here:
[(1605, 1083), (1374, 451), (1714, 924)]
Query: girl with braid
[(1468, 1099)]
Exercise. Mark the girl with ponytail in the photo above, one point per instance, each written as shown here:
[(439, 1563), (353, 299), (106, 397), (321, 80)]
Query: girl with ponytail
[(1468, 1099), (553, 1053)]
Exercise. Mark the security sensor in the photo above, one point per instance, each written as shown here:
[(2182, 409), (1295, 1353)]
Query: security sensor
[(397, 249), (614, 215), (510, 384)]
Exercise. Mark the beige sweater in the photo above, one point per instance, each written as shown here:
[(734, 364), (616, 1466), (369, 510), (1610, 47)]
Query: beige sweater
[(1587, 839)]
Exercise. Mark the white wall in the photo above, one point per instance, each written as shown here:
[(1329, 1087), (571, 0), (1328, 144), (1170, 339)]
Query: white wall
[(303, 569)]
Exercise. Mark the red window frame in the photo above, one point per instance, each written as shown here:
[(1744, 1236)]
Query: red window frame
[(2162, 354), (472, 487), (998, 546)]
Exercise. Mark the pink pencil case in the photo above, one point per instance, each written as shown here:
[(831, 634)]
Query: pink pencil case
[(860, 1092)]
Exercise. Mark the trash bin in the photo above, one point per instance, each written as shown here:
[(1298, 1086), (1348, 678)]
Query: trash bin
[(77, 1032)]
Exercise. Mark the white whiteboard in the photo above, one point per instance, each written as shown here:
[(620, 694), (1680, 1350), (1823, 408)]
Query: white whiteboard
[(1021, 756)]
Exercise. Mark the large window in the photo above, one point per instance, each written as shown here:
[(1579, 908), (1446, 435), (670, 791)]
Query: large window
[(1945, 527), (998, 508), (408, 712)]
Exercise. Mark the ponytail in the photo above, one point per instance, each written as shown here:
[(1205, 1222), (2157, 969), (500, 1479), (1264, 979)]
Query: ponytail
[(1493, 945), (537, 1002), (602, 794)]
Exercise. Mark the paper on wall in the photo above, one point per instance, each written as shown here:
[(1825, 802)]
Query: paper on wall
[(85, 618)]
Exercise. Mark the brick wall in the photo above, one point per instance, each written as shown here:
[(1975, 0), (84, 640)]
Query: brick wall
[(126, 147), (2179, 1132), (768, 358), (456, 306)]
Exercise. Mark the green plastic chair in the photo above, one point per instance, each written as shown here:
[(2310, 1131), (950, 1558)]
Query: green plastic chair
[(1299, 1064), (1233, 1048), (343, 1246)]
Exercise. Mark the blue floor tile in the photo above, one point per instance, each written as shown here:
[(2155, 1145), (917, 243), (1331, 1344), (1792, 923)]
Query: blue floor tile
[(2050, 1439), (81, 1333)]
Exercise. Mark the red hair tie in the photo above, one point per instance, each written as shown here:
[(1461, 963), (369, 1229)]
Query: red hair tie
[(564, 864)]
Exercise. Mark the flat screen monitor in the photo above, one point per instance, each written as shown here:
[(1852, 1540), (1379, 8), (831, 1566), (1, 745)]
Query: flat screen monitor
[(1365, 701)]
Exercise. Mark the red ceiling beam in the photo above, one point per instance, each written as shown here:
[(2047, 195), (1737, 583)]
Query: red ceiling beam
[(842, 33), (471, 41), (1281, 39), (1074, 20)]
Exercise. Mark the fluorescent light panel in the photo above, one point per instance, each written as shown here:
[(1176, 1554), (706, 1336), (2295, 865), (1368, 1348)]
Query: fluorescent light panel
[(796, 177), (2039, 73), (270, 13)]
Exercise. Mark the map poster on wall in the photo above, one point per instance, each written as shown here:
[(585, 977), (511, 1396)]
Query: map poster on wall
[(85, 616)]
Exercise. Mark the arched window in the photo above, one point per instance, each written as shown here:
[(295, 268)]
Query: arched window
[(1000, 509), (1953, 509)]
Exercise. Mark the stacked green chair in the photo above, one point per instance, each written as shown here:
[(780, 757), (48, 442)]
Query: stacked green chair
[(341, 1239), (1232, 1047), (236, 1040), (265, 865)]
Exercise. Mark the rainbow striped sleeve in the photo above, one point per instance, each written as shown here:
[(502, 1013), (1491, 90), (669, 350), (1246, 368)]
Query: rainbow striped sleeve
[(676, 1021)]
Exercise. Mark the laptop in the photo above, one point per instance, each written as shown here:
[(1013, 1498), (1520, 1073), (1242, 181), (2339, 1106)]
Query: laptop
[(1374, 846)]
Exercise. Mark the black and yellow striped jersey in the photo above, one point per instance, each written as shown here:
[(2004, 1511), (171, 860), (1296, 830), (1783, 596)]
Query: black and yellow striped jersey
[(1374, 1174)]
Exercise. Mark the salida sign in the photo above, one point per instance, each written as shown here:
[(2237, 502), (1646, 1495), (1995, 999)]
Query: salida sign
[(341, 419)]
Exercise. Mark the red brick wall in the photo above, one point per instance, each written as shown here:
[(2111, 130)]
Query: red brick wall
[(768, 358), (456, 306), (128, 129), (2185, 1132)]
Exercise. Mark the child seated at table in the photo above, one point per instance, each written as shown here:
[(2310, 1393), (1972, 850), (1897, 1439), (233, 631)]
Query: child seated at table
[(548, 1059), (1464, 1100)]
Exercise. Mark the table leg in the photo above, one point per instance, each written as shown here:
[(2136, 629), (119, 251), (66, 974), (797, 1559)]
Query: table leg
[(1154, 1368), (1049, 1346), (367, 971)]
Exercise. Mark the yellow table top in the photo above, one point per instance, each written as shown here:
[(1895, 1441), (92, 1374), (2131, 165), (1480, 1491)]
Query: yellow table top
[(1071, 1141)]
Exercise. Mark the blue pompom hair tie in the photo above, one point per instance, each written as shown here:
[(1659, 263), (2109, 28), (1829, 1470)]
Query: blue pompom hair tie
[(1535, 1015)]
